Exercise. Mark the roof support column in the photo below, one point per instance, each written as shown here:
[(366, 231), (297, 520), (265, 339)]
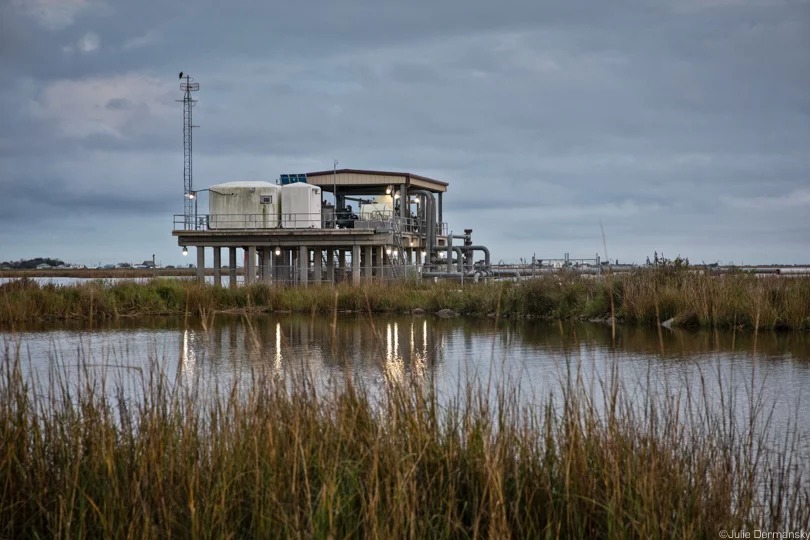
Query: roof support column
[(201, 264), (367, 257), (250, 276), (356, 265), (317, 261), (231, 266), (217, 266), (267, 265), (380, 262), (404, 204), (330, 265), (303, 265)]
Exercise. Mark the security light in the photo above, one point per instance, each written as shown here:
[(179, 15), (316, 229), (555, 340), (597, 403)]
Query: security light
[(185, 251), (278, 251), (389, 189), (388, 251)]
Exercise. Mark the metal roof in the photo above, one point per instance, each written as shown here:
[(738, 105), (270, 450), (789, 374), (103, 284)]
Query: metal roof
[(391, 176)]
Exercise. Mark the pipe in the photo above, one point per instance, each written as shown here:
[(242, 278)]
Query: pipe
[(507, 273), (456, 249), (457, 275), (430, 217), (459, 257), (459, 252), (485, 249)]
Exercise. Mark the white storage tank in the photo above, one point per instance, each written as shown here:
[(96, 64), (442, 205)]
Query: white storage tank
[(300, 206), (244, 205)]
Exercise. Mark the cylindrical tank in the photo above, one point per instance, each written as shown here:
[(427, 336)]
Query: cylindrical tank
[(300, 206), (244, 205)]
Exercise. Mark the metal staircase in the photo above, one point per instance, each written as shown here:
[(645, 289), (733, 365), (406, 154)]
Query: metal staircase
[(398, 262)]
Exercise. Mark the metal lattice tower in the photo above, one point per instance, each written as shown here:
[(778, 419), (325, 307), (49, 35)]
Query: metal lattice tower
[(189, 196)]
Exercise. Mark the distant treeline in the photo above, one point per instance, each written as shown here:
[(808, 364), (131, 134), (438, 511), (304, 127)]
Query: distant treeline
[(31, 263)]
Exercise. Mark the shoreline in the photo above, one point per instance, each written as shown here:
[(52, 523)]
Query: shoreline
[(645, 298), (106, 273)]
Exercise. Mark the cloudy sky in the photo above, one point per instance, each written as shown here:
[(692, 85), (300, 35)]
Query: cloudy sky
[(682, 126)]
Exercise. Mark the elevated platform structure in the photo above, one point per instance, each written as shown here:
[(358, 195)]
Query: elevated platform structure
[(358, 182), (398, 230)]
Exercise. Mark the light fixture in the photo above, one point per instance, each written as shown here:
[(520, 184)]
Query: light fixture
[(388, 251), (424, 253), (191, 195), (396, 195), (389, 189), (185, 251), (278, 251)]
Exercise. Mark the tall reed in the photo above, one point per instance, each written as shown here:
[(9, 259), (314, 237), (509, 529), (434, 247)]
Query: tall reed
[(647, 296), (291, 458)]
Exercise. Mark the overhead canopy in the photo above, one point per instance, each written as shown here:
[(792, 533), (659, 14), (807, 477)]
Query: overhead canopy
[(354, 181)]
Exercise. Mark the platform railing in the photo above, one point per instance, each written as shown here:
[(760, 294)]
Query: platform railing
[(286, 220), (381, 221)]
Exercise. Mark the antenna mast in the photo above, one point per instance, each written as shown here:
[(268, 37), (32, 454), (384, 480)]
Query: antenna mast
[(189, 195)]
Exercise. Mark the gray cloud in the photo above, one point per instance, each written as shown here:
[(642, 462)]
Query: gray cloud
[(681, 126)]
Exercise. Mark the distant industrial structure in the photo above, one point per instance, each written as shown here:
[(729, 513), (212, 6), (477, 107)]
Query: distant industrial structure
[(288, 232), (377, 225)]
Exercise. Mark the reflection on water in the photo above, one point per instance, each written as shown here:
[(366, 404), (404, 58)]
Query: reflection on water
[(447, 353)]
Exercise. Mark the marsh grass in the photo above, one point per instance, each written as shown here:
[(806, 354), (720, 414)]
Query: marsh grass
[(288, 457), (645, 297)]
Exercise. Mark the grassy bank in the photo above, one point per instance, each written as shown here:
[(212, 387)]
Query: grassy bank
[(286, 461), (645, 297)]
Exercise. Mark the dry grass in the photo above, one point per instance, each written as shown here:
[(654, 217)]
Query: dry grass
[(290, 459), (645, 297)]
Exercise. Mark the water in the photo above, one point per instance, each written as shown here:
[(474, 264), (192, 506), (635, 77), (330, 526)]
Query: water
[(532, 357), (724, 372), (62, 281)]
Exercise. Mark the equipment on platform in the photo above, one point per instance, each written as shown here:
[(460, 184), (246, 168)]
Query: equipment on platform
[(287, 179), (300, 206), (244, 205)]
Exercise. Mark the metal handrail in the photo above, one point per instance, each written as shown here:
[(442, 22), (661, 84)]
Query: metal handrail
[(301, 220)]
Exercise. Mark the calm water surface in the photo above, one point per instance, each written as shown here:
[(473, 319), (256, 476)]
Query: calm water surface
[(532, 357), (716, 371)]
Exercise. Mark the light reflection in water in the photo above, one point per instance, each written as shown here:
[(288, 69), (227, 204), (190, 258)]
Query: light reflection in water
[(394, 367), (188, 355), (391, 350), (278, 358)]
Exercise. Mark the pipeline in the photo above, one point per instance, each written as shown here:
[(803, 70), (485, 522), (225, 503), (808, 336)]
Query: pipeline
[(485, 249), (430, 217), (466, 237), (459, 258), (443, 275), (459, 252)]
